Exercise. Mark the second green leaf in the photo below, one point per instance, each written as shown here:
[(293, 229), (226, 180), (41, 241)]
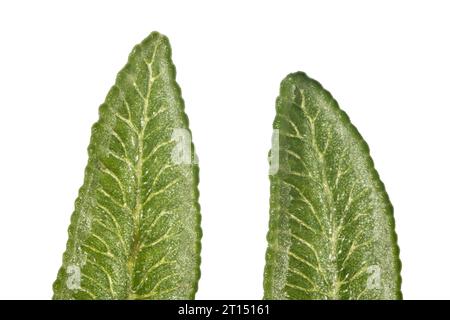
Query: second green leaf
[(331, 233)]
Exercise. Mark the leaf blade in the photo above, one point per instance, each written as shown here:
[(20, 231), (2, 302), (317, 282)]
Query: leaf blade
[(135, 232), (331, 231)]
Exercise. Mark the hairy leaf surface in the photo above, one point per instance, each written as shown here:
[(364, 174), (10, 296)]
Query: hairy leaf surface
[(331, 233), (135, 232)]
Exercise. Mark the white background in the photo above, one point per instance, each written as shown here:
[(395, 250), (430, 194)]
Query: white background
[(386, 62)]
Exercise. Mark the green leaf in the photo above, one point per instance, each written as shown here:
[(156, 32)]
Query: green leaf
[(135, 232), (331, 232)]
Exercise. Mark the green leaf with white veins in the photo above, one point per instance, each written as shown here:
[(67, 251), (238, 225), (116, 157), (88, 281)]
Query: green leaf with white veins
[(135, 232), (331, 232)]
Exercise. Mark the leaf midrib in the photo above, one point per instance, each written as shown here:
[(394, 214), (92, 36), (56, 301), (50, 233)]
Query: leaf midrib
[(332, 238), (138, 209)]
